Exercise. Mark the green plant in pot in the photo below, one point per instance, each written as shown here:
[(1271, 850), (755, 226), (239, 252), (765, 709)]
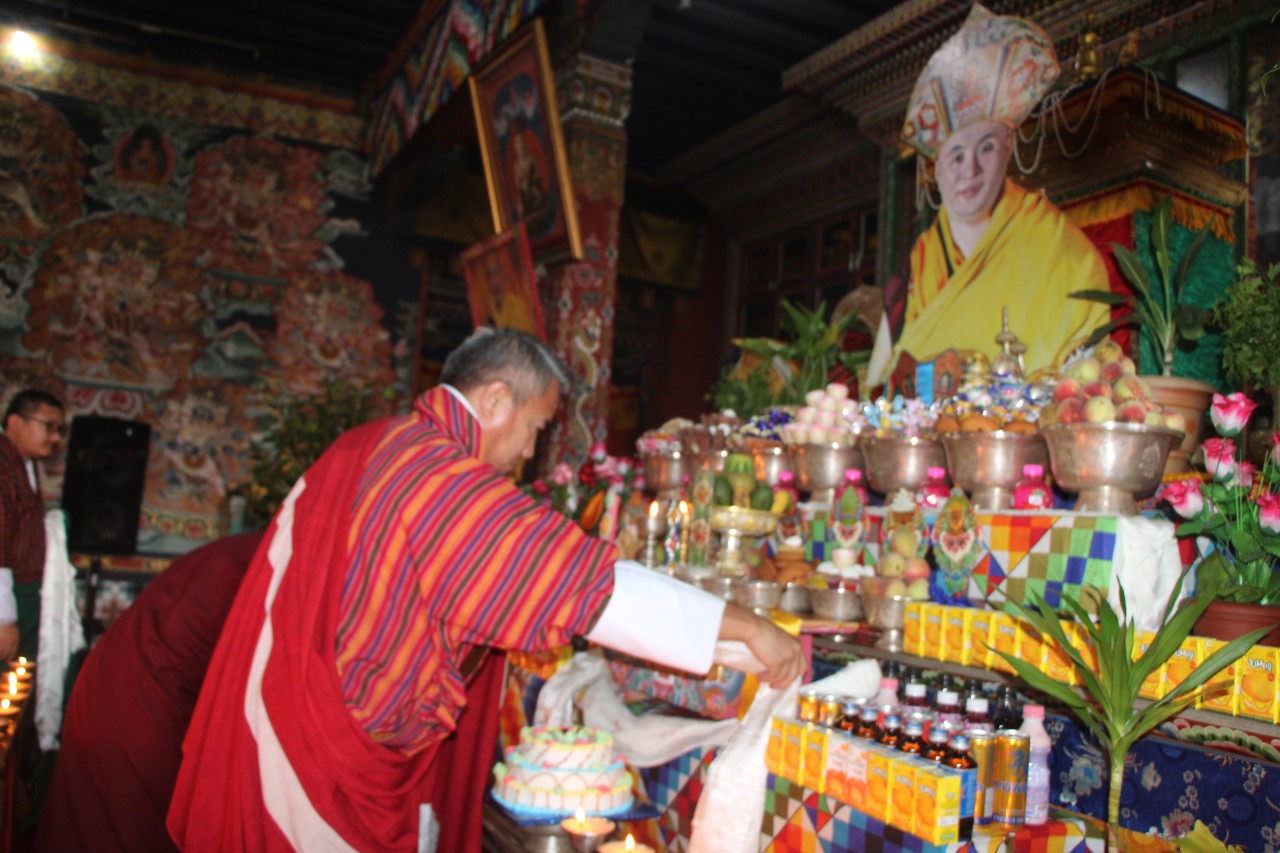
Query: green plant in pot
[(1248, 314), (1107, 700), (1164, 318)]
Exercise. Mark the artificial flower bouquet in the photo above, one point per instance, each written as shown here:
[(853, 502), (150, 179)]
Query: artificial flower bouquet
[(595, 495), (1238, 508)]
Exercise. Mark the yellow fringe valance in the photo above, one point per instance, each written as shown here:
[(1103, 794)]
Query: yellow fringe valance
[(1189, 212)]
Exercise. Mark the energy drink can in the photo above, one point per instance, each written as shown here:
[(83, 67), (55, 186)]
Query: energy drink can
[(1009, 781), (830, 709), (982, 746), (808, 706)]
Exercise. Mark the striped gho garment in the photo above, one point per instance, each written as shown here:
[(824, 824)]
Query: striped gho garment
[(22, 542), (335, 680), (446, 554)]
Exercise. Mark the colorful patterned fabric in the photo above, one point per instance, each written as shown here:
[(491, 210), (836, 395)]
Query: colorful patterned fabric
[(276, 756), (716, 697), (21, 518), (674, 789), (994, 68)]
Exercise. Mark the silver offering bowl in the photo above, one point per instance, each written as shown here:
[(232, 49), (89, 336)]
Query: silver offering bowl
[(898, 462), (770, 460), (886, 612), (819, 468), (988, 465), (711, 460), (758, 595), (839, 603), (733, 523), (1108, 465), (664, 472)]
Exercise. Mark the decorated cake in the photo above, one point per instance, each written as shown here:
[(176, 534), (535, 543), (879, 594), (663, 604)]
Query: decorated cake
[(554, 771)]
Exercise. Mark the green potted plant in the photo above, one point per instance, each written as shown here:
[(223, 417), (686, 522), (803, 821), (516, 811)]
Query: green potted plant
[(1107, 699), (1249, 316), (1163, 317)]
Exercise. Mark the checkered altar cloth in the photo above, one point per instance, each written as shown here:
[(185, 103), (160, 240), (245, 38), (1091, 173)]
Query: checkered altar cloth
[(797, 820), (1057, 552)]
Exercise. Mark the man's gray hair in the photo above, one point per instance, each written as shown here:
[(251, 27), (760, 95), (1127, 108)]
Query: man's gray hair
[(525, 363)]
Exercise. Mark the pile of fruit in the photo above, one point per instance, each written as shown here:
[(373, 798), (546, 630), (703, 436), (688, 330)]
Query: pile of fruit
[(1102, 388), (902, 562), (737, 486)]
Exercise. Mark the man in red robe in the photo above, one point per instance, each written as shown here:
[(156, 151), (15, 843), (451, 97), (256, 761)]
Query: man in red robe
[(131, 703), (401, 555)]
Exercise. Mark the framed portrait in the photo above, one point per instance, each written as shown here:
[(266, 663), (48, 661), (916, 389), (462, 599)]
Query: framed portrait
[(759, 267), (837, 243), (501, 286), (513, 95)]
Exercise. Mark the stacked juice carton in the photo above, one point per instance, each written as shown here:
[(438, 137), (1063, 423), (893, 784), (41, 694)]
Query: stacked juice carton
[(971, 637), (919, 797)]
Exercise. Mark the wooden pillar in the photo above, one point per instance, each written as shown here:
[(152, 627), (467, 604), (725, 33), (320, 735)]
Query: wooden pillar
[(594, 98)]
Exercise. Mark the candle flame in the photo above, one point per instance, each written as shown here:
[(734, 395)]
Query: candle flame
[(22, 670), (684, 508), (580, 814), (631, 842), (4, 703), (22, 661), (653, 510)]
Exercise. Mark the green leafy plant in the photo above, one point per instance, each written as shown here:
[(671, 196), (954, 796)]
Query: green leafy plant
[(1107, 701), (302, 428), (787, 369), (1249, 316), (1156, 308)]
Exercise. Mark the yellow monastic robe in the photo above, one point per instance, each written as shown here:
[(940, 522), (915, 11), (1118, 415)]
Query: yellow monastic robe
[(1030, 257)]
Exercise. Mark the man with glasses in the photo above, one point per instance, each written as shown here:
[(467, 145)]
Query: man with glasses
[(33, 429)]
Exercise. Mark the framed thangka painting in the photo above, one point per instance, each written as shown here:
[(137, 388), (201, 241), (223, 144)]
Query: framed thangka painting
[(501, 286), (513, 95)]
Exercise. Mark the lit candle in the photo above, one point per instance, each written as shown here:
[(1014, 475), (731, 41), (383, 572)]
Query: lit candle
[(684, 532), (628, 846), (9, 709), (23, 673), (580, 824)]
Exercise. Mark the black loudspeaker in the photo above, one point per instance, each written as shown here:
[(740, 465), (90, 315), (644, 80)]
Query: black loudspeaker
[(102, 490)]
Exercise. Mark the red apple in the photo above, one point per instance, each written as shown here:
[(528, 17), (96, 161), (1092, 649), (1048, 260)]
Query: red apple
[(1099, 410), (1131, 388), (1132, 412), (1111, 371), (1097, 388), (1107, 351), (1067, 387), (1085, 369), (1128, 367), (1071, 411), (1175, 420)]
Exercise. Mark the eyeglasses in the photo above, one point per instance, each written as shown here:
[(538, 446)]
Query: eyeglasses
[(52, 427)]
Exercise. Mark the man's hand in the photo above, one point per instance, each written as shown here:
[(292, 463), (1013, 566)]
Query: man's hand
[(8, 641), (780, 652)]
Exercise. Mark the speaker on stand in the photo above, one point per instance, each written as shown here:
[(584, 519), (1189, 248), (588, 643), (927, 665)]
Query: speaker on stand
[(102, 489)]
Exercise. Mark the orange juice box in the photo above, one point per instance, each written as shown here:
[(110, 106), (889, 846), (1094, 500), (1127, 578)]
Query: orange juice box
[(1256, 682), (1030, 646), (792, 750), (813, 774), (937, 804), (1222, 692), (773, 751), (1005, 631), (955, 634), (982, 626), (1153, 686), (836, 784), (879, 773), (934, 617), (1183, 662), (913, 628), (1057, 663), (902, 793), (856, 754), (1080, 641)]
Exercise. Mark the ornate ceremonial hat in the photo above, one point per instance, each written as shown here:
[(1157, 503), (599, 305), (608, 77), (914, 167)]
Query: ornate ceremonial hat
[(995, 67)]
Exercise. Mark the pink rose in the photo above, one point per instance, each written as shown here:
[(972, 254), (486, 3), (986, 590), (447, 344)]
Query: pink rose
[(562, 475), (1219, 458), (1244, 475), (597, 451), (541, 488), (1230, 414), (1185, 497), (1269, 512), (607, 467)]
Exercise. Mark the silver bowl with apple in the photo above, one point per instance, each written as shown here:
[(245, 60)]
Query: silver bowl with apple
[(1108, 464), (885, 605), (988, 465), (900, 462)]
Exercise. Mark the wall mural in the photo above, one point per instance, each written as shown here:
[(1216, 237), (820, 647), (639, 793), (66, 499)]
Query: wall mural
[(159, 269)]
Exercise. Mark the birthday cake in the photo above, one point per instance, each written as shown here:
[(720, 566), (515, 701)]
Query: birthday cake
[(555, 771)]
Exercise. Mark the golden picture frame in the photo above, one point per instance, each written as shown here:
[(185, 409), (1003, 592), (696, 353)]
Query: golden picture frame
[(518, 122)]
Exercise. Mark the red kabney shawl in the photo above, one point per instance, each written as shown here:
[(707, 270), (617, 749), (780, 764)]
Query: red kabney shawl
[(273, 759)]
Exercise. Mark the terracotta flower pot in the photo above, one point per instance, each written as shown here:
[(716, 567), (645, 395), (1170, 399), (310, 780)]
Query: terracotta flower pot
[(1192, 399), (1226, 620)]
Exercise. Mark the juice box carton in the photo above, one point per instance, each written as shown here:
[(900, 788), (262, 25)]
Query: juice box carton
[(1153, 686), (1006, 640), (879, 775), (955, 634), (934, 616), (1080, 641), (855, 753), (792, 750), (902, 792), (813, 773), (1030, 645), (773, 750), (937, 804), (836, 783), (1057, 663), (1183, 662), (1222, 692), (1256, 683), (913, 628), (982, 633)]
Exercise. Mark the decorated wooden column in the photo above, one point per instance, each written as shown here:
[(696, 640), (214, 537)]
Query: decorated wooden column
[(594, 97)]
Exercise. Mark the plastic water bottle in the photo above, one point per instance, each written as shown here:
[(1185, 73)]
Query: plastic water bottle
[(1032, 492), (1037, 764), (934, 492)]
